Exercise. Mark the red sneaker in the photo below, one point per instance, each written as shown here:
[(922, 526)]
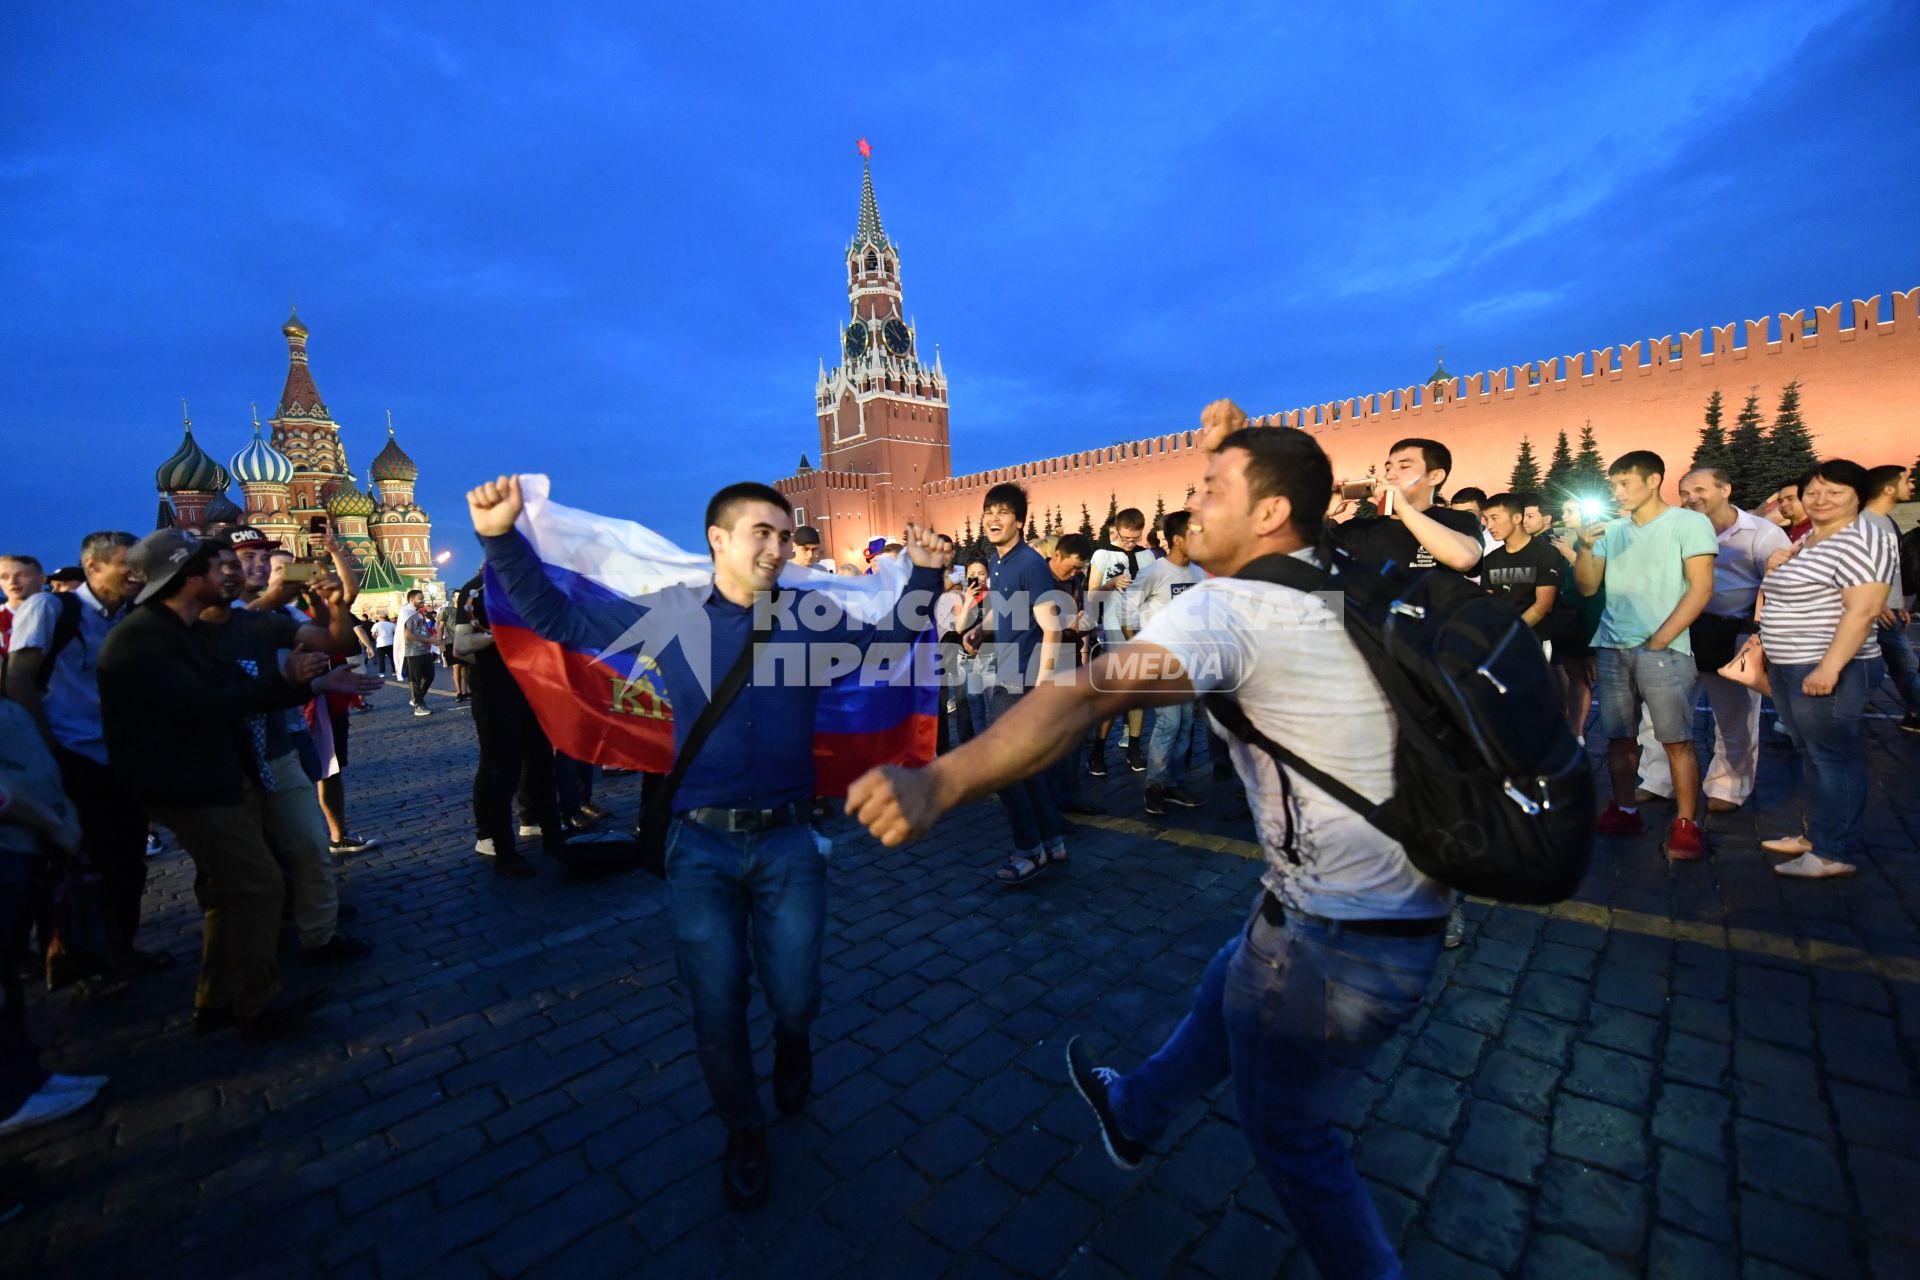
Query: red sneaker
[(1618, 822), (1684, 841)]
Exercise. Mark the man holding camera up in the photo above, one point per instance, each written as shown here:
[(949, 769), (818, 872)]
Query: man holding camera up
[(1657, 565), (1411, 530)]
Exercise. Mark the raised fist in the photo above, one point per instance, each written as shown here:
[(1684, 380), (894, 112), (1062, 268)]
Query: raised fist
[(494, 506)]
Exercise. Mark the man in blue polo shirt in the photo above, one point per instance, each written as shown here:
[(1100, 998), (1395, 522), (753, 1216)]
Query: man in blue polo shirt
[(740, 847)]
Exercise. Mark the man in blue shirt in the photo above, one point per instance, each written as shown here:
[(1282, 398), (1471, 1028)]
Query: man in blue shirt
[(1027, 613), (740, 848)]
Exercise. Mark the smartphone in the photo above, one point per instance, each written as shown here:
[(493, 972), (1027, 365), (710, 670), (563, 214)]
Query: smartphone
[(299, 571), (1355, 489), (1592, 508)]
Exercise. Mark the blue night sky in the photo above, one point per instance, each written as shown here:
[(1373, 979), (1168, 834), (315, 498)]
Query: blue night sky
[(604, 241)]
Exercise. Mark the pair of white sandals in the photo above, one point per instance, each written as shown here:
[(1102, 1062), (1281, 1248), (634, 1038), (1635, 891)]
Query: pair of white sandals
[(1804, 863)]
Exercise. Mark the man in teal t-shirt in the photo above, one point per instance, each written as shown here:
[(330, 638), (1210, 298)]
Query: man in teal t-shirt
[(1657, 567)]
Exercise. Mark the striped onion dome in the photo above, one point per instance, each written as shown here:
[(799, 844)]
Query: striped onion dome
[(261, 463), (393, 464), (189, 469)]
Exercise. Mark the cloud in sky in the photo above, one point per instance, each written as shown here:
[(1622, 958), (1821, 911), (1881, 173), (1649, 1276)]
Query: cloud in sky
[(604, 242)]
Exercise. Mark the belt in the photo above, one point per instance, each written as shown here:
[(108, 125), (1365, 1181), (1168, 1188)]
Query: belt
[(746, 820), (1276, 915)]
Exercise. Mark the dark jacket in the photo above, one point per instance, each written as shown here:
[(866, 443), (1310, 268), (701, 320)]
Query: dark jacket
[(175, 711)]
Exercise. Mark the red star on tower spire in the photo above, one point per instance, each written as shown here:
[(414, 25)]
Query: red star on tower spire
[(866, 150)]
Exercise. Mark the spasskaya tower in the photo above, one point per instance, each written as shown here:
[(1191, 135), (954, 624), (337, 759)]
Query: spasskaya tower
[(882, 411)]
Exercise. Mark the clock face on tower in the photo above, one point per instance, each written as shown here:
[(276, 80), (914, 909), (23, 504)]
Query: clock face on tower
[(856, 340), (899, 341)]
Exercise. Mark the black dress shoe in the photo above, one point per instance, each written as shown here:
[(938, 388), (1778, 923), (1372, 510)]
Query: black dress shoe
[(283, 1014), (745, 1170), (792, 1072)]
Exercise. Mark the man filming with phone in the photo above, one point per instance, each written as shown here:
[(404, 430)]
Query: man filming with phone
[(1411, 528)]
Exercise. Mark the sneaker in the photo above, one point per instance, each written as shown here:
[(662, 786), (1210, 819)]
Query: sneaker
[(1180, 796), (75, 1084), (484, 847), (1811, 866), (1097, 760), (1156, 803), (351, 844), (339, 949), (528, 831), (792, 1072), (1911, 724), (594, 811), (154, 847), (282, 1015), (1792, 845), (1456, 928), (45, 1107), (421, 711), (1092, 1083), (1685, 843), (745, 1170), (1136, 757), (1618, 822)]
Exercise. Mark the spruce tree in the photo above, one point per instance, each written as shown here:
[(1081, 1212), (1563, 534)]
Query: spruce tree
[(1113, 509), (1588, 479), (1526, 470), (1789, 453), (1747, 450), (1031, 535), (1558, 471), (1086, 520), (1712, 449)]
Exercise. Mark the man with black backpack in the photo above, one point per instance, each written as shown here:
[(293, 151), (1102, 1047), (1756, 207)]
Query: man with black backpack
[(56, 644)]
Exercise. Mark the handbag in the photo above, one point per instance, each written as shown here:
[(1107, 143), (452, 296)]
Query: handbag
[(1749, 668), (656, 816), (1715, 639)]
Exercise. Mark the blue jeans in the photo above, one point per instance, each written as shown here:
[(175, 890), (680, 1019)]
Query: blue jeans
[(1827, 733), (1661, 680), (1031, 810), (1896, 650), (1293, 1014), (720, 881), (1167, 745)]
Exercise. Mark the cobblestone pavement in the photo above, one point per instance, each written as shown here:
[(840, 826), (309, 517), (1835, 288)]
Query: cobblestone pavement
[(1691, 1071)]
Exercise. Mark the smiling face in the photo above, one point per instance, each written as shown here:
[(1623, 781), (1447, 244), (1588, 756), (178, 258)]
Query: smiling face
[(107, 575), (1001, 527), (21, 580), (755, 549), (1228, 526), (1699, 491), (1828, 503)]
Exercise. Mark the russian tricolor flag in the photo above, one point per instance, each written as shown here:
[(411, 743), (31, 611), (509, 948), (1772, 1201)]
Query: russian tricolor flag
[(610, 708)]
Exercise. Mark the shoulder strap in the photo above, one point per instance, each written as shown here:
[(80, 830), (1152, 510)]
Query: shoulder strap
[(65, 628), (723, 696), (1234, 720)]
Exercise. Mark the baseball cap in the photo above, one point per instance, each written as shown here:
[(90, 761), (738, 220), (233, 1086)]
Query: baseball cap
[(158, 558), (246, 536), (70, 573), (806, 536)]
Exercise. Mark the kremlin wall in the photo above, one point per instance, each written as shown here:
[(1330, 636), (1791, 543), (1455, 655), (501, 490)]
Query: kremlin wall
[(885, 454)]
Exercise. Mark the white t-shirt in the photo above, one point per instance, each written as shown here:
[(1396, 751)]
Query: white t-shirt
[(1285, 658), (1109, 607), (383, 633), (1158, 584)]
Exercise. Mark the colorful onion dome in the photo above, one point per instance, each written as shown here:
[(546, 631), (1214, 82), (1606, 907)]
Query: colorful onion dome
[(189, 469), (392, 463), (346, 500), (261, 463)]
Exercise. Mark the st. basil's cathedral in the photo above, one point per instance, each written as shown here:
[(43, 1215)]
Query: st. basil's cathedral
[(296, 481)]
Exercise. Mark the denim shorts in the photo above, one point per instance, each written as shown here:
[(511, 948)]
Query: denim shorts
[(1661, 679)]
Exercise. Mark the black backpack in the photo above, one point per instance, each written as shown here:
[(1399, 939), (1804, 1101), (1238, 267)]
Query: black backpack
[(65, 628), (1909, 566), (1492, 794)]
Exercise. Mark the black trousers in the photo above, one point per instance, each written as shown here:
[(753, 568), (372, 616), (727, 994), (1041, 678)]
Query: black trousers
[(419, 672), (113, 835), (21, 1074), (514, 756)]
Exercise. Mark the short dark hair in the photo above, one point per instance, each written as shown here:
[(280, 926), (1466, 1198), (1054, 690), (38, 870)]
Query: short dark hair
[(1011, 496), (1511, 503), (416, 592), (1074, 546), (806, 536), (1433, 455), (721, 507), (1878, 478), (1528, 498), (943, 537), (1844, 472), (1478, 497), (1285, 462), (1130, 518), (25, 559), (1644, 463), (1795, 485), (96, 544), (1175, 525)]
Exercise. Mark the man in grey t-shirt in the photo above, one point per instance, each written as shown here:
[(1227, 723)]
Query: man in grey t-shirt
[(1339, 951)]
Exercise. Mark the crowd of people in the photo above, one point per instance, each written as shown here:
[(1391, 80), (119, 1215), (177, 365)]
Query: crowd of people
[(203, 686)]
